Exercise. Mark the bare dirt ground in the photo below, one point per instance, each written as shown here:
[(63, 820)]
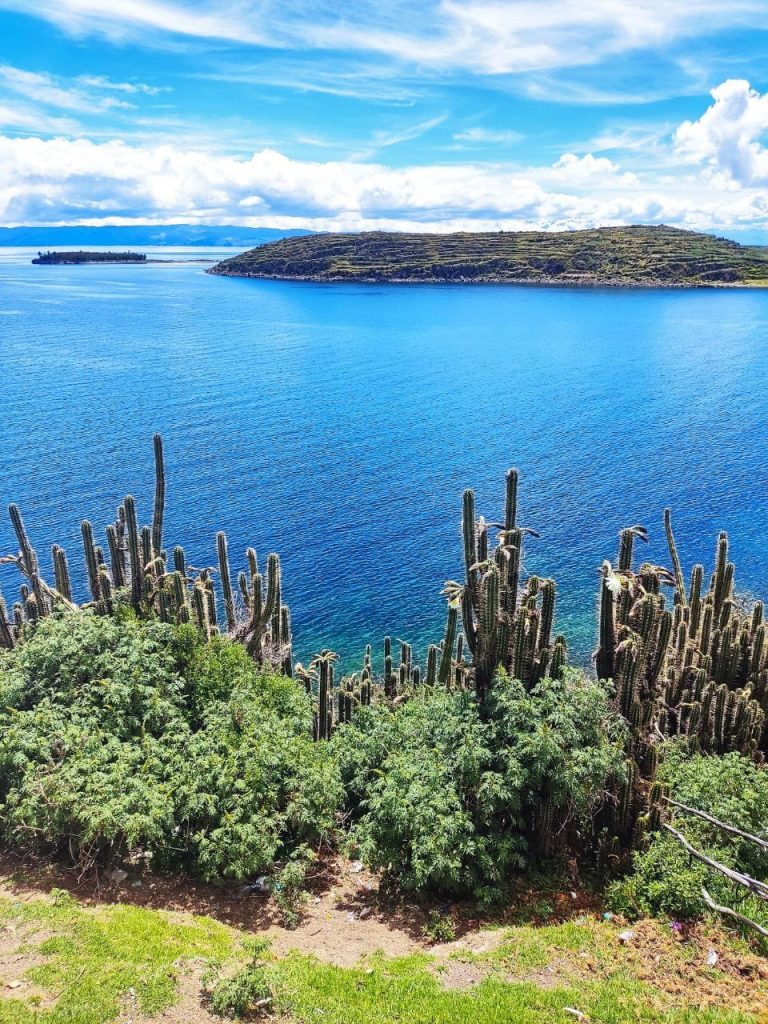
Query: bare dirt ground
[(17, 955)]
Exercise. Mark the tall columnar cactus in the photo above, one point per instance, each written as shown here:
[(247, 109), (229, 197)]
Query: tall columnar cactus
[(27, 559), (138, 571), (502, 626), (159, 510), (61, 572), (7, 630), (699, 669), (323, 666), (226, 580)]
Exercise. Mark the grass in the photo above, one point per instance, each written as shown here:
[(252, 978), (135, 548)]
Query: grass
[(620, 255), (90, 959), (80, 962), (405, 990)]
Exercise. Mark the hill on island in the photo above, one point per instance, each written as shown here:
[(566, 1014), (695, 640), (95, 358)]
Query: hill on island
[(613, 256)]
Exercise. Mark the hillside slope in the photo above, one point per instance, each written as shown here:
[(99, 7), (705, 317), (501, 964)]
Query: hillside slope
[(616, 255)]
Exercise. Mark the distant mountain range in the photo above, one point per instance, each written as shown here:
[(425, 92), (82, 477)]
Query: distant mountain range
[(639, 256), (143, 235)]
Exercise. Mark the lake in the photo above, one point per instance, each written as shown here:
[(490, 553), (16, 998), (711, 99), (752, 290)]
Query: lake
[(339, 424)]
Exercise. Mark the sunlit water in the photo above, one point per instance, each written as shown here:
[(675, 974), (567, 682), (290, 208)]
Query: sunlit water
[(338, 425)]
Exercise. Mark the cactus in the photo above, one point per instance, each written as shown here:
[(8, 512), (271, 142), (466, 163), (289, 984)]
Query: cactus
[(27, 559), (323, 664), (226, 580), (92, 563), (262, 633), (446, 656), (134, 553), (502, 627), (700, 670), (7, 630), (159, 510), (61, 573), (137, 563)]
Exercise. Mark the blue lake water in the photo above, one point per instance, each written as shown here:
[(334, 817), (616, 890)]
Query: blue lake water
[(339, 424)]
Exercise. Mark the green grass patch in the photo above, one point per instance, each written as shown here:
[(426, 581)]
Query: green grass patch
[(92, 958), (407, 991), (85, 960)]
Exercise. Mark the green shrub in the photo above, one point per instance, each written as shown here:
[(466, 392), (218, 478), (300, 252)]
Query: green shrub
[(665, 880), (245, 993), (438, 928), (446, 800), (289, 888), (120, 737)]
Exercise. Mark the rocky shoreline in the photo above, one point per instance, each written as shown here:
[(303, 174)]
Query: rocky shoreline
[(545, 282)]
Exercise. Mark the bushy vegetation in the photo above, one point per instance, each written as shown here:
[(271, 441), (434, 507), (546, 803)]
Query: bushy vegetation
[(164, 722), (120, 737), (665, 879), (446, 799), (247, 991)]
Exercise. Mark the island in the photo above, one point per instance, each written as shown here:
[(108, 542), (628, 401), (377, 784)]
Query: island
[(89, 257), (616, 256)]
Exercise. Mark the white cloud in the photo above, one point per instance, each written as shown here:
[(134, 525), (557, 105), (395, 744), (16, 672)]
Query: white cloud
[(645, 138), (727, 136), (43, 88), (483, 136), (24, 119), (100, 82), (384, 139), (59, 180), (588, 170), (132, 17), (485, 36)]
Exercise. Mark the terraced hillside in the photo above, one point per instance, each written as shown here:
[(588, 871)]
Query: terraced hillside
[(614, 256)]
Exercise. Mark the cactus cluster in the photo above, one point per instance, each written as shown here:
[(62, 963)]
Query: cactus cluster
[(697, 669), (336, 705), (135, 568), (506, 622)]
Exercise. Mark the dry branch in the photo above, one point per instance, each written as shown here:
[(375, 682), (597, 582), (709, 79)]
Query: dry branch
[(720, 824), (756, 887), (727, 912)]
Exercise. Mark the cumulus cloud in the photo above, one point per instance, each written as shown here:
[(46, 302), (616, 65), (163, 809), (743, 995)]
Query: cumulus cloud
[(594, 171), (65, 181), (727, 135)]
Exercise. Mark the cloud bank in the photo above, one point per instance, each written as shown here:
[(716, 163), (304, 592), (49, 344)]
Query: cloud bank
[(61, 180)]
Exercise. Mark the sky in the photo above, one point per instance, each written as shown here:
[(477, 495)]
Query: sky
[(386, 114)]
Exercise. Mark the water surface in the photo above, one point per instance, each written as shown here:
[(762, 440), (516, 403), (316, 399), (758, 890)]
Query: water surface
[(338, 425)]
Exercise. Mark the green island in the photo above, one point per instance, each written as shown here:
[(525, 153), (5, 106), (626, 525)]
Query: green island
[(629, 256), (83, 256), (193, 825)]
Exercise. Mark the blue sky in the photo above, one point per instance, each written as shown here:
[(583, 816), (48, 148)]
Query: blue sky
[(439, 114)]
